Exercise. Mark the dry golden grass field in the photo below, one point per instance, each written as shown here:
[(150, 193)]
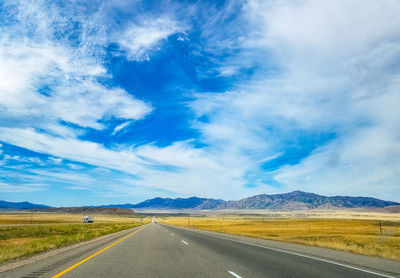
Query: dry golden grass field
[(46, 218), (24, 234), (363, 236)]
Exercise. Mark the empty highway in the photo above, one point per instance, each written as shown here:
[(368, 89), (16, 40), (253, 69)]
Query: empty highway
[(157, 250)]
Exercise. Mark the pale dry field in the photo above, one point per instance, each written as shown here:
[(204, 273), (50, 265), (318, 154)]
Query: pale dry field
[(375, 237)]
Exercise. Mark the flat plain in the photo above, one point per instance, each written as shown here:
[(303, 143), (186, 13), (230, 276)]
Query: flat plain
[(372, 234), (25, 234)]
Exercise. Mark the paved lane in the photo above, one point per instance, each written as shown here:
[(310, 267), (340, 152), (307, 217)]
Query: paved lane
[(249, 260), (151, 252), (164, 251)]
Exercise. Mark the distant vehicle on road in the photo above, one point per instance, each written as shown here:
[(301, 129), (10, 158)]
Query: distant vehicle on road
[(88, 219)]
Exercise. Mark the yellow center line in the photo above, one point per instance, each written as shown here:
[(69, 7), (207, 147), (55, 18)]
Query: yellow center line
[(95, 254)]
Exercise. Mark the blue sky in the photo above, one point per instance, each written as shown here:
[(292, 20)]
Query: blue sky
[(118, 101)]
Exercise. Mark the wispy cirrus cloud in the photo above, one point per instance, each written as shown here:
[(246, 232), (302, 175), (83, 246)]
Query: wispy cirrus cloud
[(21, 188), (45, 81), (176, 168), (138, 40), (120, 127)]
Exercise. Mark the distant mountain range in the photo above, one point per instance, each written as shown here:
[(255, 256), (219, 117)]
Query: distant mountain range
[(181, 203), (296, 200), (90, 210), (301, 200), (20, 205)]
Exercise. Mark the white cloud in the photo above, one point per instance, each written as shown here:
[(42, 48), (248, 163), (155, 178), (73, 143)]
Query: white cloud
[(329, 27), (41, 84), (334, 75), (19, 188), (120, 127), (49, 81), (333, 72), (364, 164), (23, 159), (138, 39), (70, 148), (177, 168), (56, 160)]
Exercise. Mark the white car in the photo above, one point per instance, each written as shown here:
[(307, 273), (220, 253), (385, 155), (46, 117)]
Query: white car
[(88, 219)]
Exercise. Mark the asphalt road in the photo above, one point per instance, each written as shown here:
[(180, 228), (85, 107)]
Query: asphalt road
[(157, 250)]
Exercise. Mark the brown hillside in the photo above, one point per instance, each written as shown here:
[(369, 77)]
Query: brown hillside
[(391, 209)]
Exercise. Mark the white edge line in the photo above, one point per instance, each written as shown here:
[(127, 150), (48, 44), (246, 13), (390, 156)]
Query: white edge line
[(184, 242), (234, 274), (296, 254), (310, 257)]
